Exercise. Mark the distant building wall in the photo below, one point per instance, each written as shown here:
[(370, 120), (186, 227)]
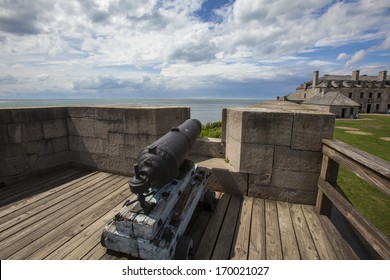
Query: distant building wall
[(371, 92)]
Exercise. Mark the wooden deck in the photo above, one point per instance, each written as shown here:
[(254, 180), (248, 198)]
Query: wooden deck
[(61, 215)]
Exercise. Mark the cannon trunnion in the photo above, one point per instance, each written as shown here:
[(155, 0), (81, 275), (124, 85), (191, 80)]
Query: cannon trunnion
[(165, 190)]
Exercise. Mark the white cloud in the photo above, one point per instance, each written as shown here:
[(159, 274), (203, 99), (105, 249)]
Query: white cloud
[(358, 56), (161, 43), (342, 56)]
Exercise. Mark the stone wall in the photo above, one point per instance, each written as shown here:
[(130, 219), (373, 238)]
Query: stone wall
[(33, 140), (110, 138), (279, 148)]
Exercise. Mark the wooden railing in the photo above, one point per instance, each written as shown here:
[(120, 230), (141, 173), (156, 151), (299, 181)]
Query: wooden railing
[(368, 167)]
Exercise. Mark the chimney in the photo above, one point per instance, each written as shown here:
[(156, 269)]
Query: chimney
[(355, 75), (382, 76), (315, 78)]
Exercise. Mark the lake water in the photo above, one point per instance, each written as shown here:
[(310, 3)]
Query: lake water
[(205, 110)]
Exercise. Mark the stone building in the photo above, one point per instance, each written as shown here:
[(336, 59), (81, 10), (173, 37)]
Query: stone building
[(372, 93), (334, 102)]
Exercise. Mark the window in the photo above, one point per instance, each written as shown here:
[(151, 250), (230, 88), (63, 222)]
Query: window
[(351, 111), (379, 95), (361, 106), (350, 95), (377, 107), (370, 95), (361, 94)]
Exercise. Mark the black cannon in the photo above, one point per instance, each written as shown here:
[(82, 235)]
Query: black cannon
[(159, 162), (168, 188)]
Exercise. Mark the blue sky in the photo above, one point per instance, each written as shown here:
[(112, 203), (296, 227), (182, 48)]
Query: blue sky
[(185, 48)]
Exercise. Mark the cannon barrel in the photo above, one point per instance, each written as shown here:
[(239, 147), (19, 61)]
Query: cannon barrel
[(159, 162)]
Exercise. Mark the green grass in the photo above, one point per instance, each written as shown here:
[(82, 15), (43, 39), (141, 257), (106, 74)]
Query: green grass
[(213, 130), (367, 199)]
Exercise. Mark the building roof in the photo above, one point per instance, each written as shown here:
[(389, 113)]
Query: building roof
[(331, 98)]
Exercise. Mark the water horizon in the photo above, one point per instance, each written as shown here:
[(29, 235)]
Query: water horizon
[(204, 109)]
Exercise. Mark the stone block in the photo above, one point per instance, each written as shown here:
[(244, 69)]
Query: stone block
[(116, 138), (5, 116), (283, 194), (93, 145), (38, 114), (233, 124), (41, 147), (21, 165), (139, 120), (223, 180), (233, 152), (268, 192), (31, 131), (168, 117), (209, 147), (224, 122), (15, 133), (310, 161), (81, 127), (55, 128), (13, 150), (86, 160), (309, 130), (53, 160), (297, 160), (102, 128), (60, 144), (128, 151), (256, 159), (287, 159), (294, 179), (260, 179), (267, 128), (76, 143), (4, 134), (111, 149), (110, 114), (82, 112)]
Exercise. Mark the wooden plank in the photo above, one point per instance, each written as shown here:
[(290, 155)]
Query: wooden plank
[(41, 186), (306, 246), (370, 161), (329, 172), (206, 245), (31, 182), (241, 246), (339, 245), (375, 239), (226, 234), (17, 224), (82, 238), (198, 227), (272, 234), (74, 226), (324, 247), (32, 205), (361, 169), (96, 253), (34, 231), (287, 235), (257, 237)]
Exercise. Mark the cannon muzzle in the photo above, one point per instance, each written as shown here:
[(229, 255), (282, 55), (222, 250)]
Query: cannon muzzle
[(158, 163)]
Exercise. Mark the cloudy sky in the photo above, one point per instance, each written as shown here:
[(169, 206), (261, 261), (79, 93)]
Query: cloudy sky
[(185, 48)]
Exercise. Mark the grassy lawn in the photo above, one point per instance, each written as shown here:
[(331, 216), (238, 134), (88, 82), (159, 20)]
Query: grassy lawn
[(371, 202)]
